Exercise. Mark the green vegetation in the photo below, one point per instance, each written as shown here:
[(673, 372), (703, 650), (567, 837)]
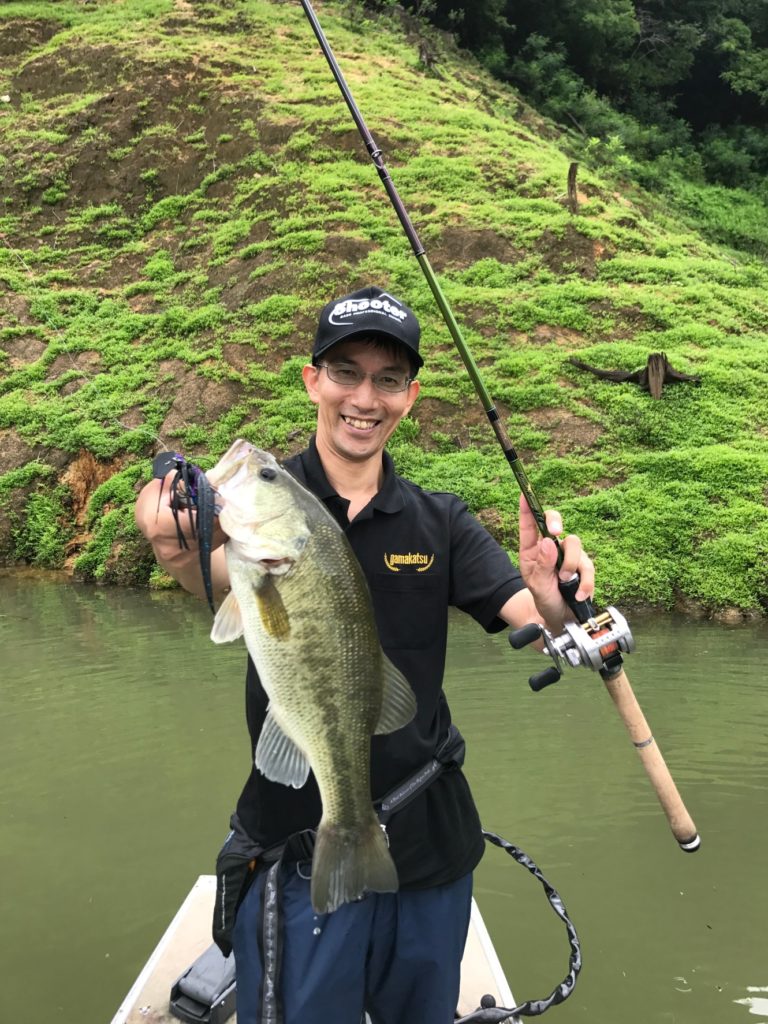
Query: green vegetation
[(686, 80), (185, 189), (36, 515)]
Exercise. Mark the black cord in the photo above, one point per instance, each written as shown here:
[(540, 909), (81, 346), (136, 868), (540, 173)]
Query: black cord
[(533, 1007)]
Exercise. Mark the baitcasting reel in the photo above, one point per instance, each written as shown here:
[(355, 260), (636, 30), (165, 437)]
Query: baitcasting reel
[(596, 644)]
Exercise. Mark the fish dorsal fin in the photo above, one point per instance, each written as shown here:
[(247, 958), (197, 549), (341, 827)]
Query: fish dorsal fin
[(398, 705), (274, 616), (228, 624), (278, 757)]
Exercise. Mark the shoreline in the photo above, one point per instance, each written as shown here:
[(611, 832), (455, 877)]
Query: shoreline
[(685, 608)]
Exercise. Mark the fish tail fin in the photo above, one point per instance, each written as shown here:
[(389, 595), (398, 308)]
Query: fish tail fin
[(346, 865)]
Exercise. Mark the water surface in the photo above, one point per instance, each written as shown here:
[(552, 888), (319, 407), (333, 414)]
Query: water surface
[(123, 747)]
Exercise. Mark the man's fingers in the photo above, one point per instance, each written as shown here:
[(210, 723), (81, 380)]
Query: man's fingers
[(540, 555), (554, 522), (529, 530), (547, 554), (572, 553), (541, 577), (529, 533), (575, 561), (587, 577)]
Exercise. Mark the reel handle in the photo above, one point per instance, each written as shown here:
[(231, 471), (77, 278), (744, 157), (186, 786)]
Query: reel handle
[(543, 679), (520, 638)]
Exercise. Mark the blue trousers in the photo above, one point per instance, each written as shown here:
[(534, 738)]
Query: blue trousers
[(396, 956)]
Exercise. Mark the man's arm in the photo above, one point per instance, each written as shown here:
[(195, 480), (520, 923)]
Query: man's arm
[(158, 525)]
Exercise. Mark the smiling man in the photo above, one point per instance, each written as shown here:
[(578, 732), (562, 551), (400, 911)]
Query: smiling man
[(395, 955), (362, 380), (377, 390)]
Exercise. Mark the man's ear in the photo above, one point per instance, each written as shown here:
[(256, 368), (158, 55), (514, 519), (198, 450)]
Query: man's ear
[(310, 375), (413, 393)]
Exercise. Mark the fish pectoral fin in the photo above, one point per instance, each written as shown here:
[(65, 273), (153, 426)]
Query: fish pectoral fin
[(228, 624), (274, 616), (278, 757), (398, 704)]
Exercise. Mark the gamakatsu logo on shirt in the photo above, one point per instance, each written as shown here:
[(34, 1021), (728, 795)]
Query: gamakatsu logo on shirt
[(412, 560)]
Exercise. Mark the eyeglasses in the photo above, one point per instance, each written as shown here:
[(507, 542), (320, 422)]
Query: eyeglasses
[(391, 381)]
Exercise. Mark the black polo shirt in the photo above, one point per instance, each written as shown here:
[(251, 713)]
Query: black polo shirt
[(421, 552)]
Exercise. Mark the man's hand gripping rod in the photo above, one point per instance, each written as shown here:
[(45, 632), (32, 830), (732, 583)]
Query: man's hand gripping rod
[(594, 640)]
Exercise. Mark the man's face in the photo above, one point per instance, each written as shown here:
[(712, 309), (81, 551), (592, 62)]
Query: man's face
[(356, 422)]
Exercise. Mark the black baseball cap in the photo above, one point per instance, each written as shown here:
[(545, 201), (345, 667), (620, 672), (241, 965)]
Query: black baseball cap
[(368, 311)]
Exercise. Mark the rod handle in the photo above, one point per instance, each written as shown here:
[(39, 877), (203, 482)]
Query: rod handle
[(583, 610), (680, 821)]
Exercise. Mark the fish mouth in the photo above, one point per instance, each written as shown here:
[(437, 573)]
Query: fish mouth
[(360, 423), (276, 566)]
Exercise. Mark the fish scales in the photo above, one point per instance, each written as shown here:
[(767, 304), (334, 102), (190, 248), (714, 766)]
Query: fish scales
[(299, 597), (333, 641)]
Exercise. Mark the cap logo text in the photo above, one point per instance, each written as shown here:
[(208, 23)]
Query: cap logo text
[(342, 312)]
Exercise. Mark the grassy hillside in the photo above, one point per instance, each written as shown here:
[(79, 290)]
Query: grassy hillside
[(183, 189)]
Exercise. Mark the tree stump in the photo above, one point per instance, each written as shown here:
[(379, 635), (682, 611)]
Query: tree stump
[(657, 372), (573, 196)]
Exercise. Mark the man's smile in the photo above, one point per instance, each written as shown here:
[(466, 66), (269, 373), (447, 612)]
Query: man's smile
[(359, 424)]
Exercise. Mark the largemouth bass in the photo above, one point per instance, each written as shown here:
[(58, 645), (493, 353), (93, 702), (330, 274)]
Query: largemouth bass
[(299, 597)]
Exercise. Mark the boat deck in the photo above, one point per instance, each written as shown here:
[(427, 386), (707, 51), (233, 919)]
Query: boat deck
[(189, 935)]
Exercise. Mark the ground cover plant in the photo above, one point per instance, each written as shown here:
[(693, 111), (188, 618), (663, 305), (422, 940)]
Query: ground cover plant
[(183, 189)]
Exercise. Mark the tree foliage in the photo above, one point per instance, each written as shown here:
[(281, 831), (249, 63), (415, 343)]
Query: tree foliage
[(682, 76)]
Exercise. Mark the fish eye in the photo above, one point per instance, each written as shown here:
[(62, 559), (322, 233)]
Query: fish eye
[(267, 473)]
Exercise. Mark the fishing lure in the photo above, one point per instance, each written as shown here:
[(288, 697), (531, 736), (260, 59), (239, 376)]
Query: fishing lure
[(190, 491)]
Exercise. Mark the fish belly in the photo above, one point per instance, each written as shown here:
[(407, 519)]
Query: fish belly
[(323, 676)]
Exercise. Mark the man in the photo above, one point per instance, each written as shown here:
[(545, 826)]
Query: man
[(394, 955)]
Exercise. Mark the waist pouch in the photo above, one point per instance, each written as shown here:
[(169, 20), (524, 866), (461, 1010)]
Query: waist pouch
[(235, 870)]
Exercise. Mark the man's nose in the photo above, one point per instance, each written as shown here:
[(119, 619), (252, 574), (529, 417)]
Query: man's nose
[(366, 390)]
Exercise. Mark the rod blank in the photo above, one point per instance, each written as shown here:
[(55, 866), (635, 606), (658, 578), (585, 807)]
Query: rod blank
[(679, 819)]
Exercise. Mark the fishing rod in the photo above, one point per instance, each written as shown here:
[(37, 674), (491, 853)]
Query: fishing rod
[(595, 640)]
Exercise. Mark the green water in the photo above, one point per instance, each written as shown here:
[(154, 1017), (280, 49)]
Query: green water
[(123, 747)]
